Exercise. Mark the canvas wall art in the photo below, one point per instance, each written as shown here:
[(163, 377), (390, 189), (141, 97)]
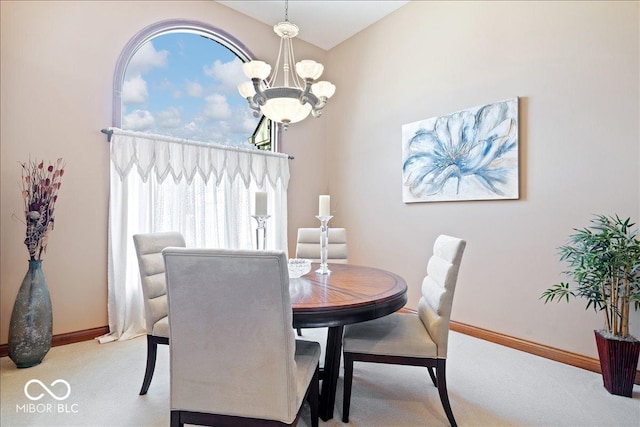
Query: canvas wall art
[(467, 155)]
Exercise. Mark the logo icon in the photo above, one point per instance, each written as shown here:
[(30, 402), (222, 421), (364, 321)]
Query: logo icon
[(47, 389)]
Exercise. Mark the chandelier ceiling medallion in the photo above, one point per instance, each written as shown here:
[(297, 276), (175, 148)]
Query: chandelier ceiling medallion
[(299, 94)]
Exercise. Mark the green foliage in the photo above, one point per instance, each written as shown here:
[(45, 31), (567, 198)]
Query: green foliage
[(604, 265)]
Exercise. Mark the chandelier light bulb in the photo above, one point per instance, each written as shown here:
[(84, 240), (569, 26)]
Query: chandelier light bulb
[(288, 110), (246, 89), (308, 69), (323, 89), (256, 69)]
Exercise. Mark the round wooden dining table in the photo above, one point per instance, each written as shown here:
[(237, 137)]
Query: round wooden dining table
[(349, 294)]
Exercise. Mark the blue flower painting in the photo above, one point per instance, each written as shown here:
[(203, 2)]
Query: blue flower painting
[(468, 155)]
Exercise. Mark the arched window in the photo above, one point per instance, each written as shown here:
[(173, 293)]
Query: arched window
[(179, 78), (176, 181)]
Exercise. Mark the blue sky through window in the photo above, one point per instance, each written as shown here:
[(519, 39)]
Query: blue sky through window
[(185, 85)]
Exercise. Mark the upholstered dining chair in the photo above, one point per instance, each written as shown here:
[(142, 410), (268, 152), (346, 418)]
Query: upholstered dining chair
[(308, 244), (407, 338), (234, 357), (149, 248)]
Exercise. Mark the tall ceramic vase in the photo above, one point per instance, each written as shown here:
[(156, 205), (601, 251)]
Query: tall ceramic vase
[(31, 320)]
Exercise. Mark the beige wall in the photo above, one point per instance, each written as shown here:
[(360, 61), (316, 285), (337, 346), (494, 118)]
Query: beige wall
[(57, 61), (574, 66)]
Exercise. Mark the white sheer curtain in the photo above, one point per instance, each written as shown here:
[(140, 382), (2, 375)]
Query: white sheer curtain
[(204, 191)]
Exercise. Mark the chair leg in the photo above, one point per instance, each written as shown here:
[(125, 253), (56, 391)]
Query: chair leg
[(348, 380), (299, 332), (175, 419), (314, 397), (433, 376), (152, 350), (442, 390)]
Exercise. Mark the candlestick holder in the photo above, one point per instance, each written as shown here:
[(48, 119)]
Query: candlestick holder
[(261, 231), (324, 241)]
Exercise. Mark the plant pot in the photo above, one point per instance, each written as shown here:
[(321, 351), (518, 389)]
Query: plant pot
[(618, 362), (31, 319)]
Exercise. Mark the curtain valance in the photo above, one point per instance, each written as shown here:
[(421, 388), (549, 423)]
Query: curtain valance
[(182, 159)]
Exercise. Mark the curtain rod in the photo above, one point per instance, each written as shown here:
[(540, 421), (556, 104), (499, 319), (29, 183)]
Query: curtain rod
[(109, 133)]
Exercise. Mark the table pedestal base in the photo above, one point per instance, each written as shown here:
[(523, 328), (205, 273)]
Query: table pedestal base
[(350, 294)]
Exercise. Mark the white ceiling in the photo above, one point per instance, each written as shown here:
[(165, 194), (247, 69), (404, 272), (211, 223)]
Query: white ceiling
[(322, 23)]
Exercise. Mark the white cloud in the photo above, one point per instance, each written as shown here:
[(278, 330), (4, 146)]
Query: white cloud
[(243, 123), (248, 125), (193, 89), (228, 74), (146, 58), (219, 119), (138, 120), (192, 127), (234, 131), (134, 90), (169, 118), (219, 133), (217, 107)]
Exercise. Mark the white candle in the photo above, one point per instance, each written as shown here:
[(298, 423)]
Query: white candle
[(324, 206), (261, 203)]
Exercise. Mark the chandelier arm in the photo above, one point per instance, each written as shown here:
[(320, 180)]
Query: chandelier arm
[(322, 101), (307, 95), (318, 104), (259, 97), (255, 107), (272, 81), (316, 110), (292, 57), (252, 104)]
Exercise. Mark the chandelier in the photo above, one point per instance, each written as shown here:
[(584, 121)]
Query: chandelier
[(299, 94)]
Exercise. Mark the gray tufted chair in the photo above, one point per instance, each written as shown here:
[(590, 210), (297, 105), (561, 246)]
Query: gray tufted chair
[(234, 356), (407, 338), (154, 289), (308, 244)]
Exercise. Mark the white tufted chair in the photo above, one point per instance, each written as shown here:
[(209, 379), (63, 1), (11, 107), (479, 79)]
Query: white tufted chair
[(412, 339), (308, 244), (234, 356), (154, 289)]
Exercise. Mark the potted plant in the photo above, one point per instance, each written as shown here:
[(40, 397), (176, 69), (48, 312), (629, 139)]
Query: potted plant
[(604, 264)]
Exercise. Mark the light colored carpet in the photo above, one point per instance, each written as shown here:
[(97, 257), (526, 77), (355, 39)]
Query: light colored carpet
[(489, 385)]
